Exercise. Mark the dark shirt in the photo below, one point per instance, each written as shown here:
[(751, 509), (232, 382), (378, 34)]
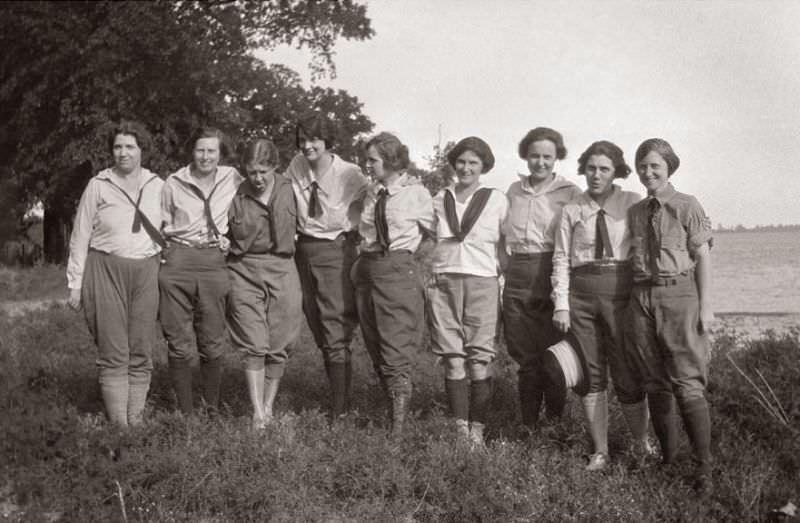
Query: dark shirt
[(258, 228), (681, 227)]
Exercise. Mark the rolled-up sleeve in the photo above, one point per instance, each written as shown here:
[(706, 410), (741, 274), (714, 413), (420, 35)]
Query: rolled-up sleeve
[(561, 260), (698, 226), (81, 235)]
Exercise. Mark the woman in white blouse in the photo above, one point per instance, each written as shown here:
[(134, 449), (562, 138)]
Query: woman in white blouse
[(592, 282), (113, 271)]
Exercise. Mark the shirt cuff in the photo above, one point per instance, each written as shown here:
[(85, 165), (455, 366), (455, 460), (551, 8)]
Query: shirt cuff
[(560, 302), (697, 241)]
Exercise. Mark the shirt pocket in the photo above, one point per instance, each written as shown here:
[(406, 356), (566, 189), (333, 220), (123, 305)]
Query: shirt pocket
[(674, 242)]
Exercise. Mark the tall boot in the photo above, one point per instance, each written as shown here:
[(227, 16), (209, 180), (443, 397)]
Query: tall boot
[(137, 398), (480, 395), (180, 372), (637, 416), (270, 393), (255, 390), (595, 407), (696, 417), (400, 393), (348, 381), (212, 379), (458, 399), (114, 390), (554, 385), (663, 411), (338, 382), (531, 394)]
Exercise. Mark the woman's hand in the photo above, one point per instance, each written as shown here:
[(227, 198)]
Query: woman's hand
[(74, 300), (561, 320), (706, 318)]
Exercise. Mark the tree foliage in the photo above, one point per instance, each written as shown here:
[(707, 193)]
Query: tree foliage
[(70, 68)]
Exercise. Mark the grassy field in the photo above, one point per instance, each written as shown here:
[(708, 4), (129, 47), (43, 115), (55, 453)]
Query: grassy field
[(60, 462)]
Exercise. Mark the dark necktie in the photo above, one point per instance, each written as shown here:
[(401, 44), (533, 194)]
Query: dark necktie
[(314, 208), (602, 242), (207, 207), (653, 240), (381, 225), (471, 215), (139, 218)]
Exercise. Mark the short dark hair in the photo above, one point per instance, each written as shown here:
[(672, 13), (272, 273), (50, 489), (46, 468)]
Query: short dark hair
[(210, 132), (542, 133), (611, 151), (260, 152), (315, 125), (663, 148), (391, 150), (131, 128), (477, 146)]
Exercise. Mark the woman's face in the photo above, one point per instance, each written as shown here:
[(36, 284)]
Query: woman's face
[(541, 160), (469, 168), (599, 172), (127, 154), (312, 148), (375, 167), (653, 172), (206, 155), (258, 176)]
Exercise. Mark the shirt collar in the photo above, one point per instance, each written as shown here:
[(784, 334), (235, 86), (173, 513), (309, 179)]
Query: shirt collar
[(402, 181), (108, 174), (184, 174), (452, 189), (328, 183), (613, 205), (526, 183), (666, 194)]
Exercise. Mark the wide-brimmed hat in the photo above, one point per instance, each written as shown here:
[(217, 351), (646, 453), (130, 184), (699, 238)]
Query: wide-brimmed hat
[(570, 369)]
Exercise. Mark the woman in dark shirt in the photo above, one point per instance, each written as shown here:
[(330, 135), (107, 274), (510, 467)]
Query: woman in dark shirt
[(264, 311)]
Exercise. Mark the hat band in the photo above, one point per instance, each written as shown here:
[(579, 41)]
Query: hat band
[(568, 360)]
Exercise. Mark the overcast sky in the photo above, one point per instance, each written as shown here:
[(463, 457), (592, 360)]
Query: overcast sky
[(720, 80)]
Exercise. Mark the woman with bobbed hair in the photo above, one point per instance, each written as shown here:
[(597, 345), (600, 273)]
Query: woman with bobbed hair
[(113, 270), (463, 298), (193, 280), (397, 213), (535, 202), (592, 281), (264, 306), (329, 191), (670, 308)]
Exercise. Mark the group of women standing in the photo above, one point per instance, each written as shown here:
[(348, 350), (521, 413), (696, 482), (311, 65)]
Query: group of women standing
[(596, 281)]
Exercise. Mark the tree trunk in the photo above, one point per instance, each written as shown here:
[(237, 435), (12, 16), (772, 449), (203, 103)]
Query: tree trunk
[(56, 236)]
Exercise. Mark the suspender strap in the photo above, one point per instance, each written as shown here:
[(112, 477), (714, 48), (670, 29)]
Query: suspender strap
[(471, 215), (140, 218)]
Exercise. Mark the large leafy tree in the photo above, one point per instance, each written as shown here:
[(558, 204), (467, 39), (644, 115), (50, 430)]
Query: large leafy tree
[(70, 68)]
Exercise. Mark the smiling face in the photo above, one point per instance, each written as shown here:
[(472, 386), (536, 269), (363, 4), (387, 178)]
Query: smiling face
[(258, 175), (206, 156), (313, 148), (127, 154), (600, 173), (541, 160), (653, 172), (468, 167)]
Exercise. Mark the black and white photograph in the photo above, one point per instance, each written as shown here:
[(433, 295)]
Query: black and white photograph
[(414, 261)]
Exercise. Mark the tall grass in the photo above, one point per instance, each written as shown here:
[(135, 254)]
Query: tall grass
[(61, 461)]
